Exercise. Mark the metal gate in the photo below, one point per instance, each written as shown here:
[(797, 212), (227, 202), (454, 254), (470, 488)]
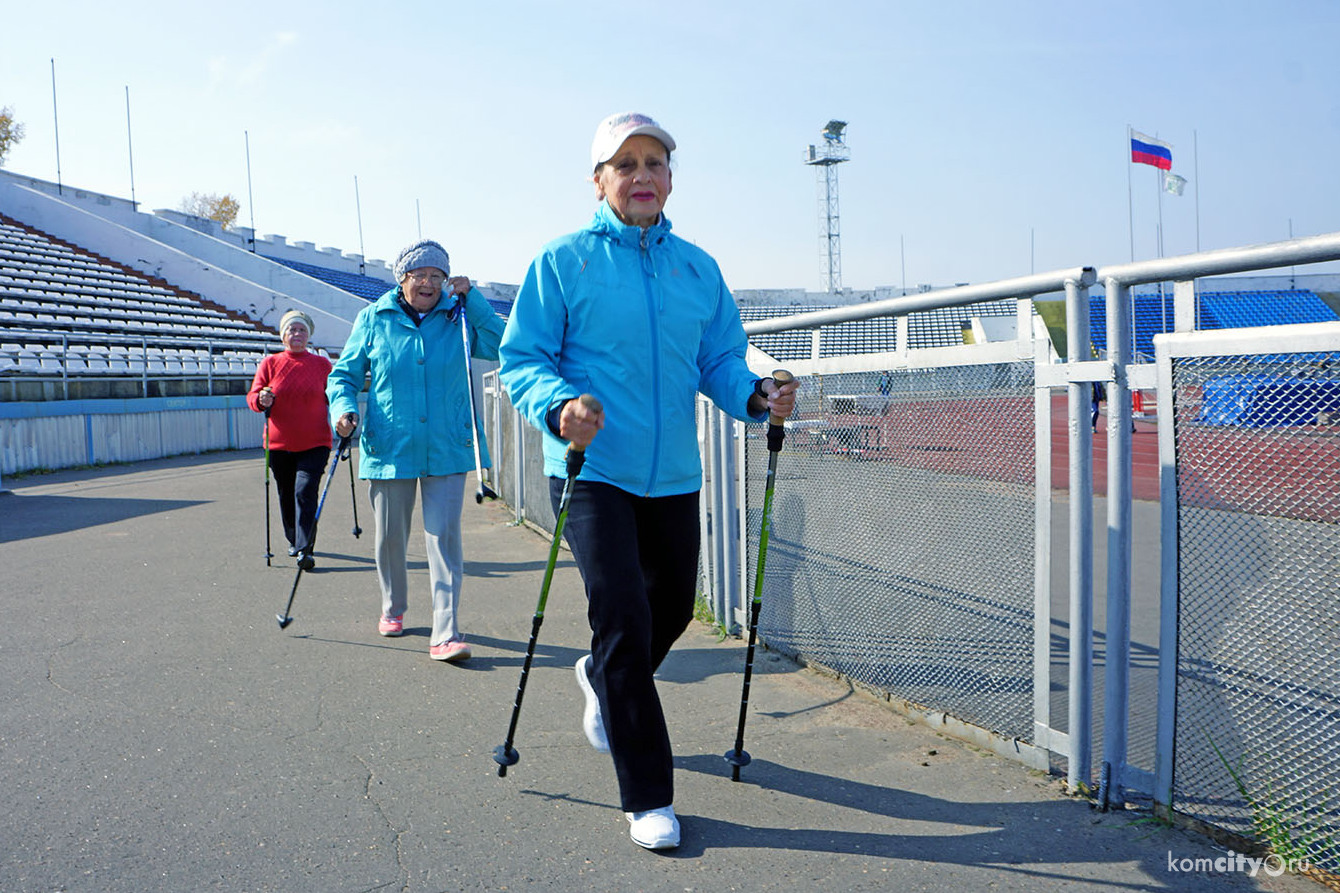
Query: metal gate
[(1249, 695)]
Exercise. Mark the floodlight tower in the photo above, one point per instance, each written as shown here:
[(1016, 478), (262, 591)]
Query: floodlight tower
[(826, 157)]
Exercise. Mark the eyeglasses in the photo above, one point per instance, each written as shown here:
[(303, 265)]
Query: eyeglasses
[(434, 278)]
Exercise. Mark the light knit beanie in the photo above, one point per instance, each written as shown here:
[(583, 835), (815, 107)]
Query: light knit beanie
[(301, 317), (424, 253)]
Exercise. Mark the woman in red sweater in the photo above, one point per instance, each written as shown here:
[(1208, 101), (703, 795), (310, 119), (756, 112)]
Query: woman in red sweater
[(291, 387)]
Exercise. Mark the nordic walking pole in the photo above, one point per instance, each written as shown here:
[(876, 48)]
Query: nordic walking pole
[(268, 553), (353, 492), (738, 757), (504, 754), (483, 490), (341, 451)]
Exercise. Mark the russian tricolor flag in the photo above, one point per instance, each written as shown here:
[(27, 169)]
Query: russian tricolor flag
[(1147, 150)]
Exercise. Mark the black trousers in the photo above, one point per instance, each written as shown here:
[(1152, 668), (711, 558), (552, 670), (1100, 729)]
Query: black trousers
[(298, 483), (639, 561)]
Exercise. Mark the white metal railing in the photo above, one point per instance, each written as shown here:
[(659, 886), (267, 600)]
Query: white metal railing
[(1120, 373)]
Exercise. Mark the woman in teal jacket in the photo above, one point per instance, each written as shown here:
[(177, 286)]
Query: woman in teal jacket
[(419, 431), (642, 320)]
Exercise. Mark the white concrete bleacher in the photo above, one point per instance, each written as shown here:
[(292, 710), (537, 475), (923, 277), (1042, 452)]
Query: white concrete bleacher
[(68, 313)]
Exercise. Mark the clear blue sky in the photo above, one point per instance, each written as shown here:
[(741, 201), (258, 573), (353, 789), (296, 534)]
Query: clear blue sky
[(989, 138)]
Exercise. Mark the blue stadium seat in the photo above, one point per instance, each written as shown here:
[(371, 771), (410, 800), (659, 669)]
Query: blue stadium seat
[(1214, 310), (366, 287)]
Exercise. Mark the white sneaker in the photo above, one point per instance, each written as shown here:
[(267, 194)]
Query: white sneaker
[(655, 829), (593, 724)]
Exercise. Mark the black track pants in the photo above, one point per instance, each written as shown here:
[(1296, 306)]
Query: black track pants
[(639, 560), (298, 483)]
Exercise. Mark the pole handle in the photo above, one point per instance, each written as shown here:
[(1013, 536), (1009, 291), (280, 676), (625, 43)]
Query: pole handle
[(781, 376)]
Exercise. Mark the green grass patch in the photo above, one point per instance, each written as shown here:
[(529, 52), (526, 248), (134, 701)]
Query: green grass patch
[(1288, 828), (702, 612)]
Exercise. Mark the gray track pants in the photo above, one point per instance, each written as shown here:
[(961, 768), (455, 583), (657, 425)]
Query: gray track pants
[(393, 508)]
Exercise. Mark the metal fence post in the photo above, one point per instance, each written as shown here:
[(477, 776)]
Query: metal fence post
[(711, 509), (1116, 689), (1165, 727), (1042, 528), (727, 528), (520, 426), (1080, 396)]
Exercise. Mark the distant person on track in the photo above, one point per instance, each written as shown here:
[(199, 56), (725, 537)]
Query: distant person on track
[(643, 321), (419, 434), (290, 388)]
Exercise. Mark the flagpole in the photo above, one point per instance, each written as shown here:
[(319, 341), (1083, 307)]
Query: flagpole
[(1293, 271), (358, 209), (251, 204), (1130, 215), (130, 149), (56, 116), (902, 255), (1130, 211), (1195, 166), (1159, 175), (1160, 181)]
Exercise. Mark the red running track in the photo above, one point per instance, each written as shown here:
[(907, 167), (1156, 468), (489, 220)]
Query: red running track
[(1270, 471)]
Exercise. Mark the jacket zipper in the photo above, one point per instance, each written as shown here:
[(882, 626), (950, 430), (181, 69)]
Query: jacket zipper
[(649, 274)]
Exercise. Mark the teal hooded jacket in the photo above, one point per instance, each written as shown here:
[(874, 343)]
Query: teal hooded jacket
[(417, 422), (643, 321)]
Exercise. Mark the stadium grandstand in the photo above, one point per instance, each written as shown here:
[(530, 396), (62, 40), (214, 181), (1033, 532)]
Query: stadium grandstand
[(99, 300), (74, 324), (941, 327), (1153, 313)]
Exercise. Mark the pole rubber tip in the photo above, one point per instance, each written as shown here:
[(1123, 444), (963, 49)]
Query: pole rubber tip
[(283, 621)]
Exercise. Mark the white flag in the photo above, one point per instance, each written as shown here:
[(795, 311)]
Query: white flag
[(1173, 183)]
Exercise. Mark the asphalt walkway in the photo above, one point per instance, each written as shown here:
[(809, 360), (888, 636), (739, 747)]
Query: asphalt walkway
[(159, 732)]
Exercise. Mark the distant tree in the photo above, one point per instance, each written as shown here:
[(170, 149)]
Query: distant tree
[(220, 208), (11, 132)]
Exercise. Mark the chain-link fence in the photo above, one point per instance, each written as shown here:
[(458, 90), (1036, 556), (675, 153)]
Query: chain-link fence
[(904, 554), (901, 547), (1257, 725)]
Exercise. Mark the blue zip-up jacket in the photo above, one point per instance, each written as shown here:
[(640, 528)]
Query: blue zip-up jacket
[(417, 422), (642, 321)]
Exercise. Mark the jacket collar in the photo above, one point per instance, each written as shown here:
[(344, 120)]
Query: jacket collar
[(607, 223)]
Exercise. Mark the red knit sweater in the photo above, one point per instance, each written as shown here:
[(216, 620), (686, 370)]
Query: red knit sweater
[(298, 417)]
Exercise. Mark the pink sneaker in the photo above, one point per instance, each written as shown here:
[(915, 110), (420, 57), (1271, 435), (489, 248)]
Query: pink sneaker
[(391, 626), (452, 650)]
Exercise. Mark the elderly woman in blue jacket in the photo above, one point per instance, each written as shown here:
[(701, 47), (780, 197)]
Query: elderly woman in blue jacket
[(419, 433), (642, 320)]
